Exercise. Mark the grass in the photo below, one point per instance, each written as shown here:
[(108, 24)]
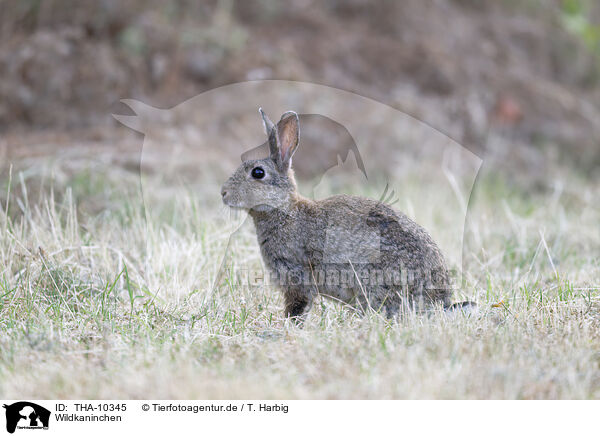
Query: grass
[(105, 302)]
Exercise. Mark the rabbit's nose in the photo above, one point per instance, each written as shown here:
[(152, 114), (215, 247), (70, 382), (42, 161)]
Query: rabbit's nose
[(223, 192)]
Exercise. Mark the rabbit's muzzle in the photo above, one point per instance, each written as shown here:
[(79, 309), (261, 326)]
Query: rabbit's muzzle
[(229, 196)]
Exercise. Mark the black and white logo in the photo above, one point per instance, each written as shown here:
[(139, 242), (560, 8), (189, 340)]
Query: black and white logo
[(26, 415)]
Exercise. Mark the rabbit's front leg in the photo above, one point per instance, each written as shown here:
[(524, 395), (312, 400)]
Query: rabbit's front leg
[(297, 304)]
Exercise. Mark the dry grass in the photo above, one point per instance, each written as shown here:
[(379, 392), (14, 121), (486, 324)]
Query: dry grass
[(100, 301)]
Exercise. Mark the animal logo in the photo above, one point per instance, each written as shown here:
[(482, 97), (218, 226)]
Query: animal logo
[(26, 415)]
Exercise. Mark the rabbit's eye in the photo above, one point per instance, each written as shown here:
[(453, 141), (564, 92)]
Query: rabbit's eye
[(258, 173)]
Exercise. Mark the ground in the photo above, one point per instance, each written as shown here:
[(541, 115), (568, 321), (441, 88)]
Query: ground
[(101, 300)]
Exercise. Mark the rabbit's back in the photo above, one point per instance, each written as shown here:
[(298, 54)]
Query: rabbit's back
[(381, 232)]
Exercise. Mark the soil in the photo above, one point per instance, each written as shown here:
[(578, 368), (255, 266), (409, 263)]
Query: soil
[(504, 79)]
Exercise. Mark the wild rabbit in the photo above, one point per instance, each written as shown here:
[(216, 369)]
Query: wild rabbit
[(352, 249)]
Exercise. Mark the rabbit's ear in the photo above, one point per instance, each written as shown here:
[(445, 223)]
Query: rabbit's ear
[(288, 133), (267, 123), (271, 132)]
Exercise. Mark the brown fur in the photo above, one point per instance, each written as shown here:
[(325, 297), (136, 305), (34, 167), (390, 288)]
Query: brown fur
[(355, 250)]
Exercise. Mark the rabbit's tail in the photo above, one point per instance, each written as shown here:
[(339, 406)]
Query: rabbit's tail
[(465, 307)]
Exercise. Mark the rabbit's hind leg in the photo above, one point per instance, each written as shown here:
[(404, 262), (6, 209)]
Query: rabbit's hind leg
[(297, 304)]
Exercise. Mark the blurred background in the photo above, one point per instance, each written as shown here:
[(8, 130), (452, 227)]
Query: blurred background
[(516, 81)]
